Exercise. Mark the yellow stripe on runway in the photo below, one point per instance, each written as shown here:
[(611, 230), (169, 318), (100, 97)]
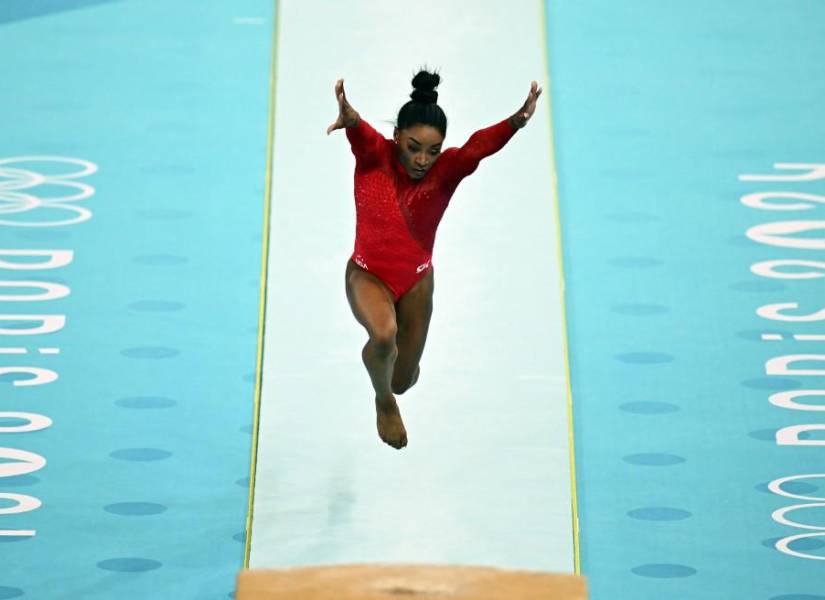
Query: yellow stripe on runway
[(560, 258), (273, 75)]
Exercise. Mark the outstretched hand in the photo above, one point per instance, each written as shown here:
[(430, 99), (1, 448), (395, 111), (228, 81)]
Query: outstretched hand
[(347, 116), (527, 109)]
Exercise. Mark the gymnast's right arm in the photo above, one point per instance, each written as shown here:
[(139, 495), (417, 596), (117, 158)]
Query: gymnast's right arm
[(365, 141)]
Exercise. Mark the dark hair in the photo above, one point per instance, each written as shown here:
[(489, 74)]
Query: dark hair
[(422, 109)]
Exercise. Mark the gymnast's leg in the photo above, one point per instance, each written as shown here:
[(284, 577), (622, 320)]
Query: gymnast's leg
[(413, 311), (372, 304)]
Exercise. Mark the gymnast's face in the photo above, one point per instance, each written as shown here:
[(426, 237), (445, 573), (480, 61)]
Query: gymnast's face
[(418, 148)]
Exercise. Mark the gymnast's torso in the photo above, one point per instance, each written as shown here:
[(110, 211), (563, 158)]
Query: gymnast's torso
[(397, 216)]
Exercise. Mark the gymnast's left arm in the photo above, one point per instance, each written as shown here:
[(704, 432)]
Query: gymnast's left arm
[(490, 140)]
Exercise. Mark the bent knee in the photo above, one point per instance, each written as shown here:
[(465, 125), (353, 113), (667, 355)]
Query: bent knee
[(400, 388), (383, 338), (402, 381)]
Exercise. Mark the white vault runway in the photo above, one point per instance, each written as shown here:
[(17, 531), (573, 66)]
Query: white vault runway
[(485, 478)]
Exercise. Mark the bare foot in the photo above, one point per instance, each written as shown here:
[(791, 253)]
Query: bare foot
[(390, 426), (415, 377)]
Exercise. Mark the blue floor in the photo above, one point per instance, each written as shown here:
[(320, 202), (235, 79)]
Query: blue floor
[(659, 108), (17, 10), (144, 491)]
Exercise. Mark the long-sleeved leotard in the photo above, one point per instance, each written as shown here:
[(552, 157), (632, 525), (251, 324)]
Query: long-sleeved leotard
[(397, 216)]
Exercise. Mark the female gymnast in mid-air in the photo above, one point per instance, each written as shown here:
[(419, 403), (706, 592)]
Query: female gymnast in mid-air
[(402, 187)]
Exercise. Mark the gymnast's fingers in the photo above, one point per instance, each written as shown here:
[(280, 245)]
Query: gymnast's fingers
[(532, 95), (343, 94), (527, 100)]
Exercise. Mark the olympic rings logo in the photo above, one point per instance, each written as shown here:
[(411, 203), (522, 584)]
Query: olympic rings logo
[(17, 185), (780, 517)]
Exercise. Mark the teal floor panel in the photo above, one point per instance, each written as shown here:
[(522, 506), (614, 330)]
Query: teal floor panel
[(660, 109), (134, 142)]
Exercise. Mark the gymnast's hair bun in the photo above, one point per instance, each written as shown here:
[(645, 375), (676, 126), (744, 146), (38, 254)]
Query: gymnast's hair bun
[(425, 83)]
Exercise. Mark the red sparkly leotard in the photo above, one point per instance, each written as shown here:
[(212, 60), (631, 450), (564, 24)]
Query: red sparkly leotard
[(397, 216)]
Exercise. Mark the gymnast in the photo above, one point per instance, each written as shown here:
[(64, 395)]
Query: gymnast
[(402, 188)]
